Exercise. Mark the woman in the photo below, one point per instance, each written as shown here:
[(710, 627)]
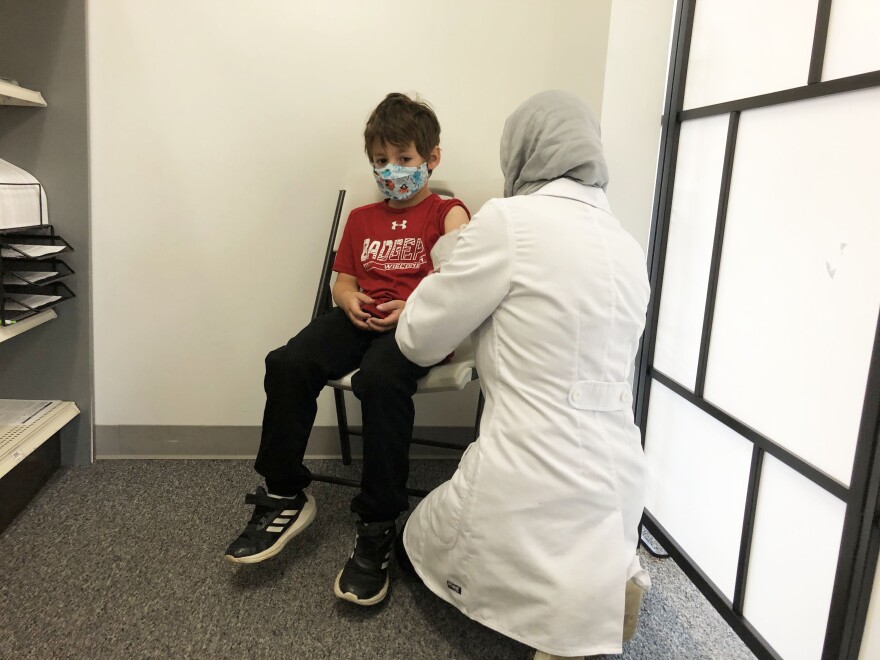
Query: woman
[(535, 535)]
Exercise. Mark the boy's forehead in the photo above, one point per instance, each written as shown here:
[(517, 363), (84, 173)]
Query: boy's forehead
[(387, 148)]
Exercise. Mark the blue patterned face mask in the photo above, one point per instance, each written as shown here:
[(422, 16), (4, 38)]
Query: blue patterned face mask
[(400, 183)]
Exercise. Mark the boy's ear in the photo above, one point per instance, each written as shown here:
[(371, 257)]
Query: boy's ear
[(434, 158)]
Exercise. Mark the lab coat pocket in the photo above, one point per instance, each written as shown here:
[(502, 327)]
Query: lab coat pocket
[(450, 500)]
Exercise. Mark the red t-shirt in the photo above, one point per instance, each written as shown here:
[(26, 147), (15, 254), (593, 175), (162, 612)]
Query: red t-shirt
[(388, 250)]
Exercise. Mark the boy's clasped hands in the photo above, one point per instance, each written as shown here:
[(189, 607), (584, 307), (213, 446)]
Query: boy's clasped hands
[(354, 302)]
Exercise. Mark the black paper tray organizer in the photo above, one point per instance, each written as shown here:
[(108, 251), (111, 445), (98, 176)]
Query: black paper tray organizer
[(34, 243), (20, 302), (33, 271), (30, 271)]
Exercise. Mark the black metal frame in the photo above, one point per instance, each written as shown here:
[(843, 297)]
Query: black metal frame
[(860, 540), (323, 304), (44, 234)]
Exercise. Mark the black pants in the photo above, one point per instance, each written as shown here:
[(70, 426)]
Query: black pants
[(330, 347)]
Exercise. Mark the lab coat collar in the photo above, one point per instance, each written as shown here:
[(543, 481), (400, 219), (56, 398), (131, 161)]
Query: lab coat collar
[(569, 189)]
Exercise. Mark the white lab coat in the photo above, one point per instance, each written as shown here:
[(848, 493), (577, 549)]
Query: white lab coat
[(535, 534)]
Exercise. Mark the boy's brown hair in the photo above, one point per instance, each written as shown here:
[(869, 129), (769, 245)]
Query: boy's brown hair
[(399, 120)]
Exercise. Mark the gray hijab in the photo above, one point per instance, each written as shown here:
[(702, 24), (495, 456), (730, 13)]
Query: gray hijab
[(551, 135)]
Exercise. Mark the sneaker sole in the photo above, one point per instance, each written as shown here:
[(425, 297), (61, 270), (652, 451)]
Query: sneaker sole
[(351, 598), (306, 516)]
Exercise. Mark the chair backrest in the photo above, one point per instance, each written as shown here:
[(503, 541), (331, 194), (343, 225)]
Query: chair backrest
[(439, 188), (324, 297)]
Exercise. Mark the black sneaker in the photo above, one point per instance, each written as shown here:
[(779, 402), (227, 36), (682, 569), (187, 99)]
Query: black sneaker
[(274, 523), (364, 578)]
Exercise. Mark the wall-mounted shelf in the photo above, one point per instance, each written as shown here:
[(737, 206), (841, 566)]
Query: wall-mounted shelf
[(14, 95), (30, 450), (18, 440), (10, 331), (53, 362)]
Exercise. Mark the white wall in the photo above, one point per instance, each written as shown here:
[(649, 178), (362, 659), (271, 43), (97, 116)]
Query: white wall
[(220, 134), (632, 105)]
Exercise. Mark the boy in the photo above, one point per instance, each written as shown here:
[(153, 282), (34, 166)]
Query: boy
[(383, 255)]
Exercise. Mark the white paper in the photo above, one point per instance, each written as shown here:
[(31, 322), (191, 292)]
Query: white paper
[(30, 250), (28, 301), (29, 276), (14, 412)]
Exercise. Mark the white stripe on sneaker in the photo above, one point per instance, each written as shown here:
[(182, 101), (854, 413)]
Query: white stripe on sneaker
[(281, 521), (289, 512), (274, 529)]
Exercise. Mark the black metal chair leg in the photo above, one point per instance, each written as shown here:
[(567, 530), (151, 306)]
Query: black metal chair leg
[(342, 423)]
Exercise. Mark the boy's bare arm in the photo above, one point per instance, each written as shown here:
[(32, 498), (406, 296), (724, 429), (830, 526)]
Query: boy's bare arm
[(456, 217), (349, 298)]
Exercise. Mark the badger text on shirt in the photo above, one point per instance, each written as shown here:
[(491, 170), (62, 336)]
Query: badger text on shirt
[(393, 254)]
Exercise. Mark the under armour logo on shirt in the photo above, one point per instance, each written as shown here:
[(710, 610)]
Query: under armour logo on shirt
[(401, 224)]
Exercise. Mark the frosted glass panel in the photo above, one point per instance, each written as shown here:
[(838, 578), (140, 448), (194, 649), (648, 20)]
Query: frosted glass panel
[(793, 561), (799, 287), (853, 46), (741, 49), (698, 472), (871, 638), (689, 247)]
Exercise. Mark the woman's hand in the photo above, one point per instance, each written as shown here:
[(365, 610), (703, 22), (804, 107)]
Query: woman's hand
[(395, 307)]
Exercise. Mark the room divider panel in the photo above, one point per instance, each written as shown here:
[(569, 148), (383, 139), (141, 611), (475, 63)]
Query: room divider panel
[(758, 388)]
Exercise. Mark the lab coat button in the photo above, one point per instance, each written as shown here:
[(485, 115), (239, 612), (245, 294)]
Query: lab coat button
[(576, 395), (626, 396)]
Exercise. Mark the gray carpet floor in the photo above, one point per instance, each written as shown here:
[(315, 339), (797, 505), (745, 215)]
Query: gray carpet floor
[(123, 559)]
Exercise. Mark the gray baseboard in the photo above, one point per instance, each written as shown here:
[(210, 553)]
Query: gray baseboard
[(242, 442)]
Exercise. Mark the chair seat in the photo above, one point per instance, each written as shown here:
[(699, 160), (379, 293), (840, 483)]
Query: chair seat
[(452, 375)]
